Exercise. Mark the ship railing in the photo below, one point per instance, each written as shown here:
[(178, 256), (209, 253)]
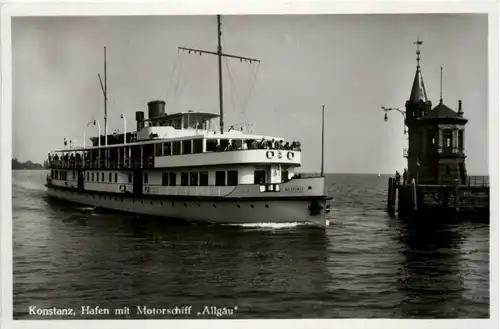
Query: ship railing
[(478, 181)]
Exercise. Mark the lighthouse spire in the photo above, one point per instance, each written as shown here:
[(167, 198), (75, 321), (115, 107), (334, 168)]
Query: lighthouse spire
[(418, 92)]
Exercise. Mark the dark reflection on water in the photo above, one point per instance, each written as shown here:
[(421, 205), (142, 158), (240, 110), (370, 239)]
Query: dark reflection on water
[(364, 265)]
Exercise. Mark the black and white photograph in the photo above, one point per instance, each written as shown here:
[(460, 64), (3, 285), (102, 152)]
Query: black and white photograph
[(221, 164)]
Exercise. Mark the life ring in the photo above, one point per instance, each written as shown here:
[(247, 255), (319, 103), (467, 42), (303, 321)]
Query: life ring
[(270, 154), (290, 155), (123, 188)]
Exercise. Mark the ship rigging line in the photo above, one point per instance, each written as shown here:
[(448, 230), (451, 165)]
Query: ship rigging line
[(232, 86), (170, 84)]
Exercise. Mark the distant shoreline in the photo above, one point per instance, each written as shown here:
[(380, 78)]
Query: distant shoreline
[(28, 165)]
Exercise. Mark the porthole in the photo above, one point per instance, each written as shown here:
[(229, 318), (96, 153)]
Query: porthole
[(173, 204), (199, 205), (151, 202), (142, 201), (215, 206), (185, 204), (267, 206), (238, 206), (161, 202), (251, 206)]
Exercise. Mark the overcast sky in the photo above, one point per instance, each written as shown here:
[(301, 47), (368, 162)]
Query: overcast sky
[(353, 64)]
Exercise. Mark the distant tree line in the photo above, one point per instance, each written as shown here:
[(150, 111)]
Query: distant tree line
[(27, 165)]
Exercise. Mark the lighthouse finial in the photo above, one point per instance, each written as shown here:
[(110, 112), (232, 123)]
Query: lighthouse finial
[(418, 43)]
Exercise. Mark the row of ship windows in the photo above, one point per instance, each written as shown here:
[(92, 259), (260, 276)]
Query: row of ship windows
[(222, 178)]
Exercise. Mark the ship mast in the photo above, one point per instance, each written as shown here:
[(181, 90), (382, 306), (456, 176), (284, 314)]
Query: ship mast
[(105, 94), (219, 54)]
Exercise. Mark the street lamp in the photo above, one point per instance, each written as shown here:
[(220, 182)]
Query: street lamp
[(386, 118), (124, 128)]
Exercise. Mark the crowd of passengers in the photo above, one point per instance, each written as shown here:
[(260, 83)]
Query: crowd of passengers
[(263, 144)]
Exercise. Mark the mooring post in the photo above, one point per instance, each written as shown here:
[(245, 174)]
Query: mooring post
[(414, 194), (390, 197), (456, 196)]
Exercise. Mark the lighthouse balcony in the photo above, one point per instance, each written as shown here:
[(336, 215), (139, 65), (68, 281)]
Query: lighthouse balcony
[(405, 152)]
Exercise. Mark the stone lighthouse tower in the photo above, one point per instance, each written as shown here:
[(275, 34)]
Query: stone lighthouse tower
[(436, 137)]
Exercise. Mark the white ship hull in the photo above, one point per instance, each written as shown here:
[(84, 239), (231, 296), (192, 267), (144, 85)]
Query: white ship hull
[(238, 211)]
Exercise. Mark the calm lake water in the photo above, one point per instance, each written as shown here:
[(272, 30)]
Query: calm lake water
[(364, 265)]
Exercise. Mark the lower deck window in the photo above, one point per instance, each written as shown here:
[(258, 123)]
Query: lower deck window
[(204, 178), (232, 178), (259, 177), (145, 178), (164, 179), (193, 179), (129, 177), (184, 179), (220, 178), (172, 179)]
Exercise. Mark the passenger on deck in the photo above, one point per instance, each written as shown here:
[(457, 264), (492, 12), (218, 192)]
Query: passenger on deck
[(405, 176), (287, 146), (397, 176), (262, 143), (273, 144), (244, 145)]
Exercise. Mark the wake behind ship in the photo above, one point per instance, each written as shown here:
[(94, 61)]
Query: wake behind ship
[(177, 165)]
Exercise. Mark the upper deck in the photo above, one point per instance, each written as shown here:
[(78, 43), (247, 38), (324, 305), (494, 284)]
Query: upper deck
[(182, 139)]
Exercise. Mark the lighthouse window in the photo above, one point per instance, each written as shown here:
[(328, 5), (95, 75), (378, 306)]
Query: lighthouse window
[(164, 179), (186, 147), (211, 145), (166, 148), (172, 179), (193, 179), (184, 179), (460, 139), (176, 148), (220, 178), (203, 178), (198, 146), (447, 135), (232, 178)]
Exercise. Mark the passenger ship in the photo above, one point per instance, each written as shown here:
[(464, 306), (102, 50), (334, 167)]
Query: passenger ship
[(177, 166)]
